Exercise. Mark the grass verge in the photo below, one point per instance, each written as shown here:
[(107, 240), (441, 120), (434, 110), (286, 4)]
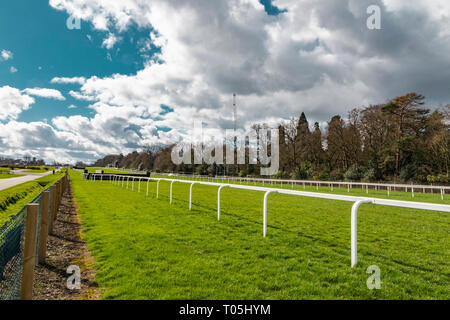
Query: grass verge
[(8, 176), (13, 199)]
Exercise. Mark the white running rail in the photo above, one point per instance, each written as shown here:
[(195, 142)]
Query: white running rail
[(357, 201), (389, 187)]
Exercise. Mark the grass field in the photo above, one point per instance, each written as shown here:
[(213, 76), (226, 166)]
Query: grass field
[(148, 249), (112, 170), (12, 200), (419, 196), (8, 176), (36, 171)]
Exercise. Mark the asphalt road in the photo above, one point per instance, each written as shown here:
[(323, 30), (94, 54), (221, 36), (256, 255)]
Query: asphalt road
[(8, 183)]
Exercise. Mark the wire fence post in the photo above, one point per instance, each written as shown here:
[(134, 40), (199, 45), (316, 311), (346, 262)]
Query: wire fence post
[(52, 208), (44, 227), (29, 252)]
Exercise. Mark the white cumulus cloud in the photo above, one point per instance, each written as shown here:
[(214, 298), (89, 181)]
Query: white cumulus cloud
[(45, 93), (6, 55), (110, 41), (66, 80), (13, 102)]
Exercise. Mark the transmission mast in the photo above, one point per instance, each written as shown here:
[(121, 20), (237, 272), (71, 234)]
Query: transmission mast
[(234, 112), (234, 118)]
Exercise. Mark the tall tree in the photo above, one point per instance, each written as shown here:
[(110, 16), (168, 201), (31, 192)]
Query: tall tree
[(409, 116), (302, 138), (315, 147)]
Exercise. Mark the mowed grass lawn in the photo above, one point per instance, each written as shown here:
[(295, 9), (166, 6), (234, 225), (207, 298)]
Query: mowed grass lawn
[(148, 249), (433, 196), (8, 176), (111, 170), (13, 199)]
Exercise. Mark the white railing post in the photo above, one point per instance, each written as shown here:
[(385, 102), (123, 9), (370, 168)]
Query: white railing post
[(171, 184), (123, 181), (148, 181), (218, 201), (139, 184), (128, 179), (190, 196), (354, 230), (157, 189), (266, 195)]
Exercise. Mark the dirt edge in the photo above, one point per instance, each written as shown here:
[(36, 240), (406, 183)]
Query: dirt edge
[(66, 247)]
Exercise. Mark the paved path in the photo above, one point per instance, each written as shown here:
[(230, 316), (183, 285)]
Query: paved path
[(11, 182)]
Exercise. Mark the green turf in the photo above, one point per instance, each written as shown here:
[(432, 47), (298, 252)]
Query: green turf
[(148, 249), (111, 170), (8, 176), (419, 196), (13, 199)]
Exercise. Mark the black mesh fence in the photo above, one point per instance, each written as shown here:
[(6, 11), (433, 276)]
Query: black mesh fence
[(11, 256), (11, 252)]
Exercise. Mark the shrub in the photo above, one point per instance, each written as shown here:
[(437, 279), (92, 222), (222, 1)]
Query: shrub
[(354, 173), (242, 173), (302, 172), (322, 176), (336, 175), (369, 175), (440, 178), (421, 178), (408, 172)]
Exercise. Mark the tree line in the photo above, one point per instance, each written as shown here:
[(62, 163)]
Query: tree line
[(398, 141)]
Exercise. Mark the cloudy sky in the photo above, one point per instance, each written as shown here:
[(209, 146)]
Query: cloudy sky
[(139, 72)]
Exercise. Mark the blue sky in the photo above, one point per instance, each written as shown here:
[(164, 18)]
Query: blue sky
[(177, 62), (45, 48)]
